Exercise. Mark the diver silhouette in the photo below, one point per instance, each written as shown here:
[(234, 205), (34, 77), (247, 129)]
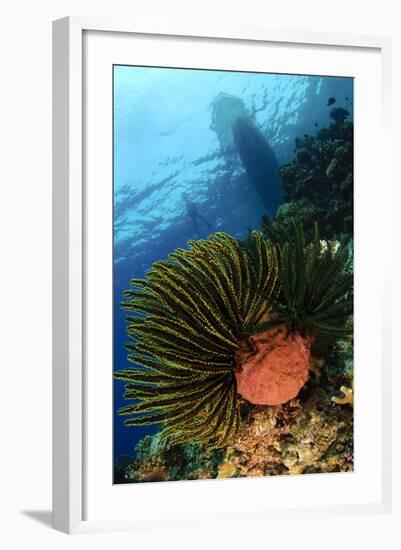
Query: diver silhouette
[(193, 213)]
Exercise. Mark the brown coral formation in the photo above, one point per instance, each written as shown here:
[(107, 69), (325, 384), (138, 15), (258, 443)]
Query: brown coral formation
[(294, 438), (272, 366), (153, 469)]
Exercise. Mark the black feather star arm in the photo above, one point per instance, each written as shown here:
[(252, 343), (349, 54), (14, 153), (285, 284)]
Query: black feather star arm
[(316, 282), (190, 313)]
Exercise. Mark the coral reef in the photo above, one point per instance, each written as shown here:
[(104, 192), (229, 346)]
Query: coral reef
[(192, 312), (242, 351), (293, 438), (320, 178), (309, 434), (302, 212), (220, 325), (189, 461)]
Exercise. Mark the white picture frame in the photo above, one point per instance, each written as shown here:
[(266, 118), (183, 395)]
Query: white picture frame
[(71, 257)]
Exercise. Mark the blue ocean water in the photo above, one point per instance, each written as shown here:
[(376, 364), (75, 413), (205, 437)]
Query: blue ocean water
[(172, 135)]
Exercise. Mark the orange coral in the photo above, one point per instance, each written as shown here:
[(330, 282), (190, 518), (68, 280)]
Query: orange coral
[(272, 366)]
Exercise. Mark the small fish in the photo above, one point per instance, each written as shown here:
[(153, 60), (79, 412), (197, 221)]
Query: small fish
[(346, 98), (331, 101), (316, 124)]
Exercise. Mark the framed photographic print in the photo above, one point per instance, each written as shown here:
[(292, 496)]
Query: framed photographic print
[(219, 275)]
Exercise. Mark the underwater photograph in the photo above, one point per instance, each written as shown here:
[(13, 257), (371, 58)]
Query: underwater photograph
[(232, 274)]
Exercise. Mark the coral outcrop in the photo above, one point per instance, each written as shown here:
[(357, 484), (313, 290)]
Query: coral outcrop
[(320, 178)]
